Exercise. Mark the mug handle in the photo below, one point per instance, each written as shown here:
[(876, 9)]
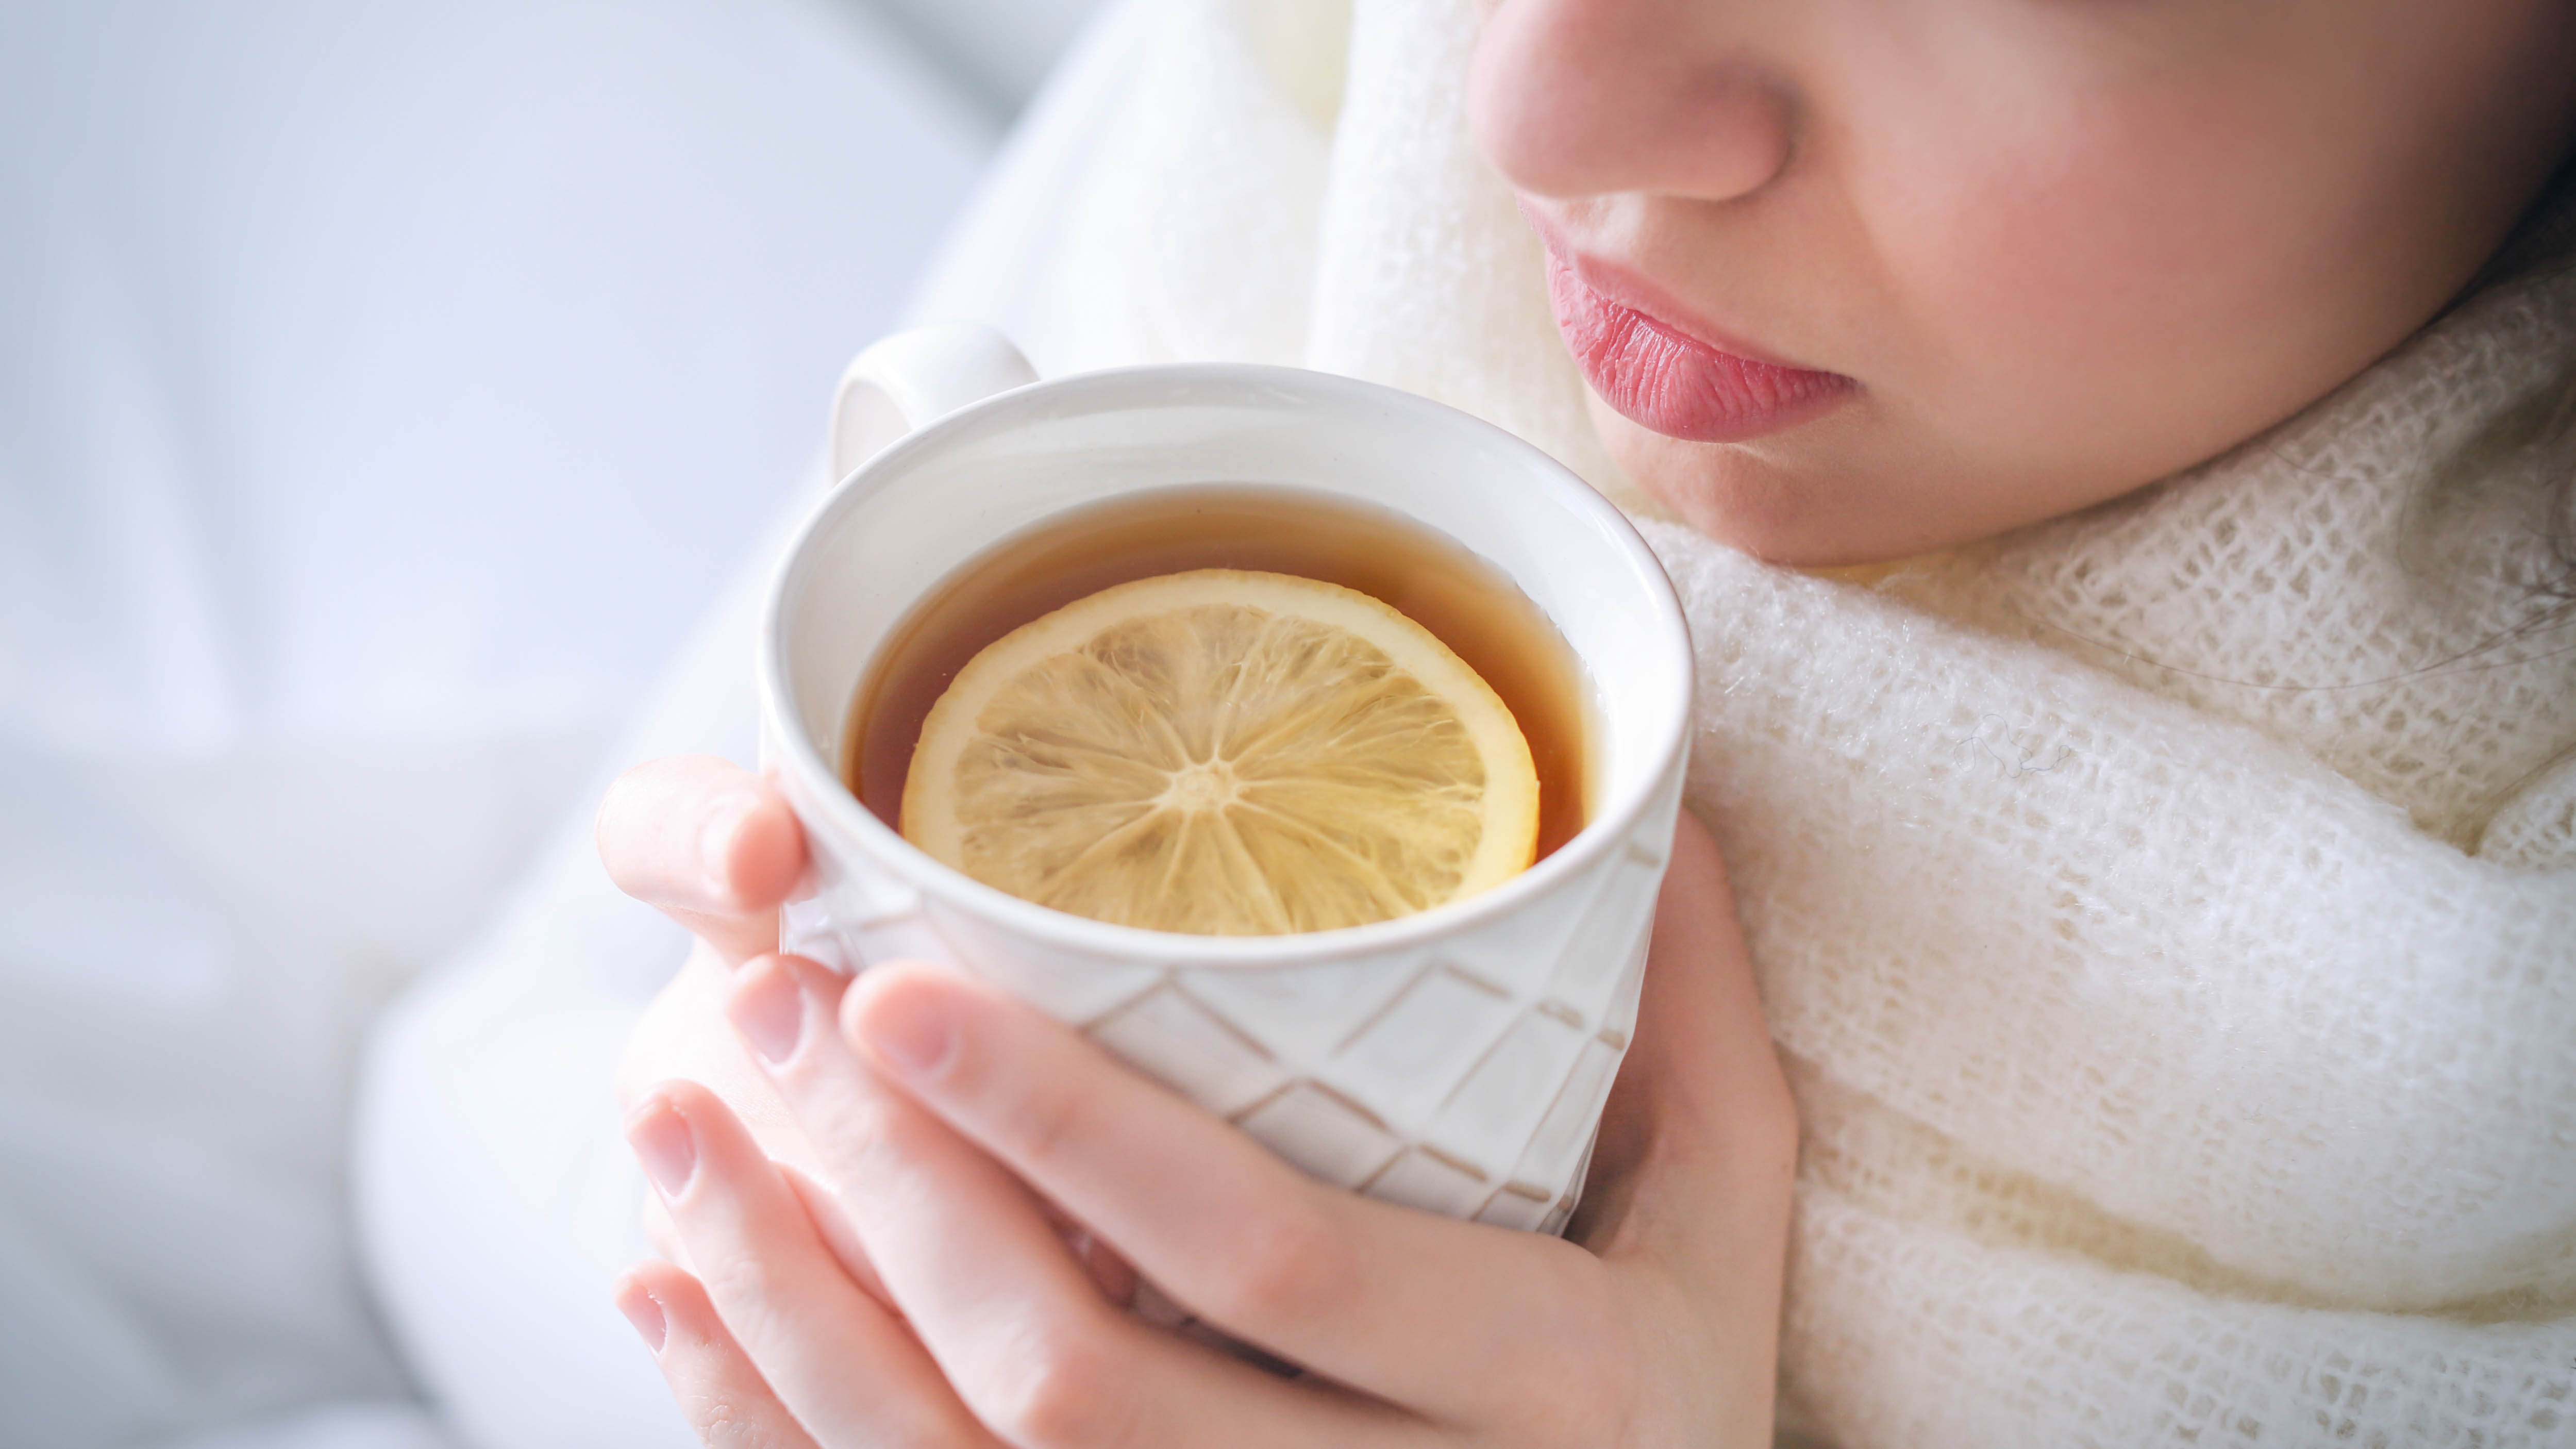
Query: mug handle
[(911, 378)]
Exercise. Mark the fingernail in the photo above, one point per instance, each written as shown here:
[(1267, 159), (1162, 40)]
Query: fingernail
[(912, 1031), (769, 1010), (664, 1144), (645, 1311), (715, 842)]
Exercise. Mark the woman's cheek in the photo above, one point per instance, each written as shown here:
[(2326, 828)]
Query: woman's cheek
[(2113, 297)]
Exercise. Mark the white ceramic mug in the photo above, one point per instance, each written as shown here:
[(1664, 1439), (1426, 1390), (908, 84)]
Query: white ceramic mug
[(1455, 1060)]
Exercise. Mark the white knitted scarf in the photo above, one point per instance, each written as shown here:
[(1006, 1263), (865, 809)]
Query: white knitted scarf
[(2168, 912)]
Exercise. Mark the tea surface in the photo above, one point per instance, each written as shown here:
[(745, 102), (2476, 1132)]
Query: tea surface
[(1471, 605)]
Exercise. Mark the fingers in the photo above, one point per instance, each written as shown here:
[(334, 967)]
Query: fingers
[(833, 1226), (711, 845), (1450, 1319), (723, 1397), (659, 1232), (1698, 1149), (1700, 1120), (844, 1366), (1009, 1314)]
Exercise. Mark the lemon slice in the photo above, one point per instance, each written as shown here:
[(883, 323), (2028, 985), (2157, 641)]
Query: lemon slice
[(1224, 753)]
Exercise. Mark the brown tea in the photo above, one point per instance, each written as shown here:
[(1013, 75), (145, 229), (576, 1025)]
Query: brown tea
[(1472, 606)]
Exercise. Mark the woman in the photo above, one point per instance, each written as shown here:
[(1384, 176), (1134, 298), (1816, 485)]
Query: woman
[(2157, 893)]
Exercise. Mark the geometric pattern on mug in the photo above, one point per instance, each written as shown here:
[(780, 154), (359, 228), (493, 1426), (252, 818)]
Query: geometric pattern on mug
[(1463, 1078)]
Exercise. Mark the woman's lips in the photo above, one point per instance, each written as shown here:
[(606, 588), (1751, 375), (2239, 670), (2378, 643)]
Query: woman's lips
[(1664, 379)]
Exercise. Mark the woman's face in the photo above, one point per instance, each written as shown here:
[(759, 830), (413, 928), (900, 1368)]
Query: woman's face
[(1853, 279)]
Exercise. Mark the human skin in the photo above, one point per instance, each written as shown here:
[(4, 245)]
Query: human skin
[(903, 1277), (2061, 248), (2044, 251)]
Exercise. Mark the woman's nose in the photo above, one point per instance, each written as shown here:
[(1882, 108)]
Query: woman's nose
[(1576, 98)]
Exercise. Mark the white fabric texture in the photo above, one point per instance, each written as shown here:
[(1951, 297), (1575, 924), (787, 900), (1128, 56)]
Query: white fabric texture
[(384, 391), (2178, 1065)]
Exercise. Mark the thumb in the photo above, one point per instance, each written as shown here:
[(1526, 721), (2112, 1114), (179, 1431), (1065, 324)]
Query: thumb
[(713, 846), (1699, 1140)]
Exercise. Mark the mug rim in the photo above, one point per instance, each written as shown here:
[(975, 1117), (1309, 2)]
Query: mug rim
[(844, 813)]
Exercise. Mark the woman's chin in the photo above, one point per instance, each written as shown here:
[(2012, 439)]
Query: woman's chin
[(1729, 493), (1785, 499)]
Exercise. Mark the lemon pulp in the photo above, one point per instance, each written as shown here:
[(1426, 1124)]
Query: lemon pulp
[(1225, 753)]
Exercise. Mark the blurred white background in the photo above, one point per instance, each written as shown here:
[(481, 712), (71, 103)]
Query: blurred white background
[(383, 391)]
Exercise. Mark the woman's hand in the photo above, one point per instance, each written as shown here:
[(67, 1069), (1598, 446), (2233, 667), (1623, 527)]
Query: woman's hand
[(925, 1295), (715, 848)]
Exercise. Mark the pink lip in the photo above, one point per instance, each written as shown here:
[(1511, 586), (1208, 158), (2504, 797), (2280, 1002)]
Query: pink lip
[(1663, 378)]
